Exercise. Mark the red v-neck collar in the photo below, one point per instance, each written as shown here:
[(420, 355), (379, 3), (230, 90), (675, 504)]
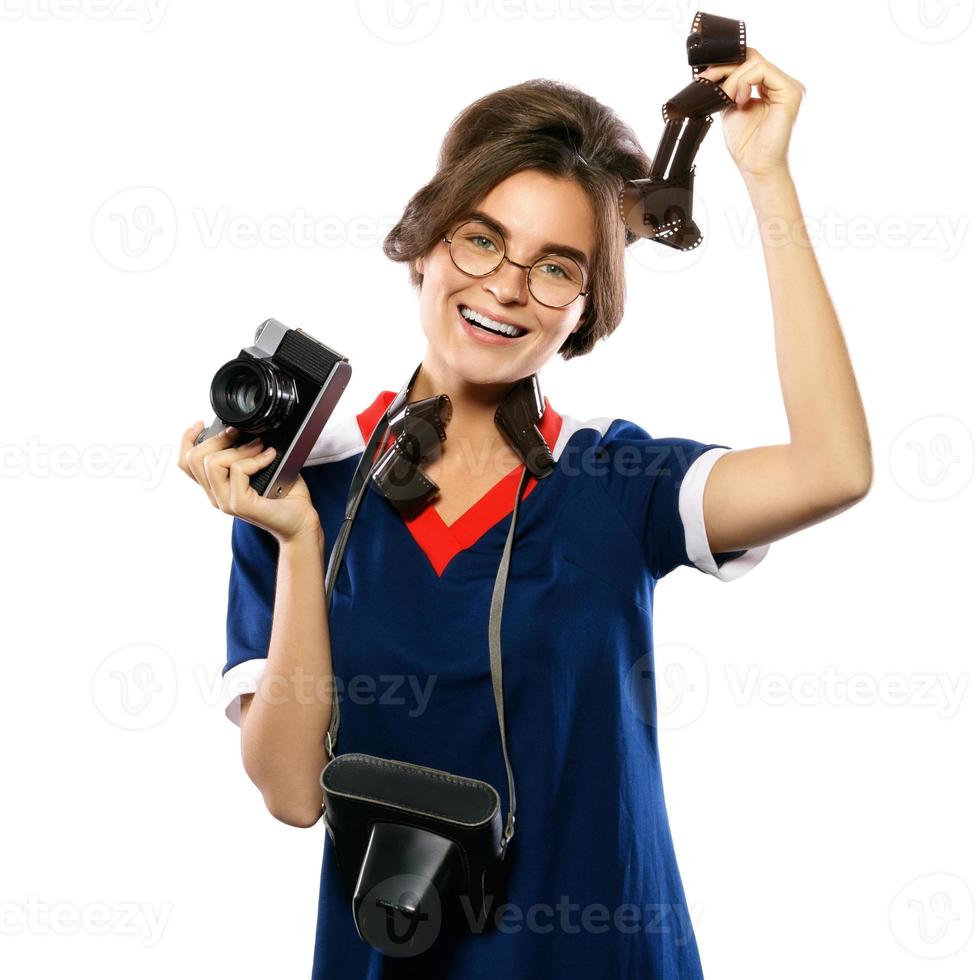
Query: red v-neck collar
[(441, 542)]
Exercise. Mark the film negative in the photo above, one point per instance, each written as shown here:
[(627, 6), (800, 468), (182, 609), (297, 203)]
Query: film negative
[(659, 207)]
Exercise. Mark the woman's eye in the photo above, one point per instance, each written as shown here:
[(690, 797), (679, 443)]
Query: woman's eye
[(557, 269), (482, 238)]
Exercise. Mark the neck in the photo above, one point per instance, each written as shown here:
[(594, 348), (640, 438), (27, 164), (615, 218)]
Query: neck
[(471, 430)]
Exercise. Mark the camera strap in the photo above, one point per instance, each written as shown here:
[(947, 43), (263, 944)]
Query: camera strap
[(358, 485)]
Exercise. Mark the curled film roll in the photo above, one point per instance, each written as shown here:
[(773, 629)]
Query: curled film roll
[(659, 206)]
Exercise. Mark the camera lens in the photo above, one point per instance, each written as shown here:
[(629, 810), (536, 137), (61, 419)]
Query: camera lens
[(252, 394), (245, 394)]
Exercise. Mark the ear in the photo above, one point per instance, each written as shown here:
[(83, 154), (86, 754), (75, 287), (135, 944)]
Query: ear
[(419, 265)]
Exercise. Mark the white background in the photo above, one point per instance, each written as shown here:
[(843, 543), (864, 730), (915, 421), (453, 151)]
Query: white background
[(821, 766)]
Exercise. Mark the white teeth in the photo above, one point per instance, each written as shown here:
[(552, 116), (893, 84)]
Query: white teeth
[(505, 328)]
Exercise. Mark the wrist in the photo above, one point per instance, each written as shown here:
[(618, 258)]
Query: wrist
[(308, 535), (769, 178)]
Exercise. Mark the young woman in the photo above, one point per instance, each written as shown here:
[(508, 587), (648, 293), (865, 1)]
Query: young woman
[(517, 248)]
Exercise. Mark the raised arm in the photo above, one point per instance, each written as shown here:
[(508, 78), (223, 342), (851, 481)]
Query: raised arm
[(754, 496)]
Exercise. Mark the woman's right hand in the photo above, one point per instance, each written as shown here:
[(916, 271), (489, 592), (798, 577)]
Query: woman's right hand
[(223, 471)]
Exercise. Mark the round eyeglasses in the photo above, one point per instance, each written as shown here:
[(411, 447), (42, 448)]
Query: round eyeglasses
[(554, 280)]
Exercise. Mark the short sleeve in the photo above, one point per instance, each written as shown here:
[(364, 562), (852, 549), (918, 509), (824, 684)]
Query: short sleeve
[(251, 600), (658, 484)]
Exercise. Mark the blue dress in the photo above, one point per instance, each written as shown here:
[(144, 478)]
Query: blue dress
[(593, 888)]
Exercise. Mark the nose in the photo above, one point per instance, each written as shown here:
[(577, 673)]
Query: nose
[(509, 283)]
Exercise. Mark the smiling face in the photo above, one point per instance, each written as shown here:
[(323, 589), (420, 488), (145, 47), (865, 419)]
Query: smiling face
[(538, 212)]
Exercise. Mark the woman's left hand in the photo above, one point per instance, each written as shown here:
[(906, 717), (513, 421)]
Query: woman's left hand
[(757, 130)]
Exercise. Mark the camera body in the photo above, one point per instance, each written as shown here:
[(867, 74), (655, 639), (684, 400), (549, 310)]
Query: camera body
[(282, 389)]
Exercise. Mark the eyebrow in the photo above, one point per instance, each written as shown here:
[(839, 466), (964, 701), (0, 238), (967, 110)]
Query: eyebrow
[(546, 248)]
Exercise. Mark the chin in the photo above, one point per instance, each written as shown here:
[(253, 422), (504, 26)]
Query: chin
[(485, 368), (475, 370)]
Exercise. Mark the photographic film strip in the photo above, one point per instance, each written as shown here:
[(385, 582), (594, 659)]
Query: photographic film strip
[(659, 207)]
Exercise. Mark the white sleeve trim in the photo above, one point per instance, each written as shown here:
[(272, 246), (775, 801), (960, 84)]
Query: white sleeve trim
[(242, 679), (691, 505)]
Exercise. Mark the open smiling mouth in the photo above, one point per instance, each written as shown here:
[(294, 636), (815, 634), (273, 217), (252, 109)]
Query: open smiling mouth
[(488, 325)]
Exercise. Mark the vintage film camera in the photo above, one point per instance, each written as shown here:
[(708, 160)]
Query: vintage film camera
[(282, 389)]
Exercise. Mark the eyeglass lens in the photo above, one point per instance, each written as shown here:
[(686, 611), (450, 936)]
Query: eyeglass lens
[(477, 249)]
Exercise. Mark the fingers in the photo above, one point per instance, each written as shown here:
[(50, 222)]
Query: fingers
[(780, 89), (186, 444), (192, 457), (239, 473), (222, 469), (738, 80), (217, 469)]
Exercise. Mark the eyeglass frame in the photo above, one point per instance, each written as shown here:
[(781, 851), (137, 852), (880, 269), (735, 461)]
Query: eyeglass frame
[(505, 257)]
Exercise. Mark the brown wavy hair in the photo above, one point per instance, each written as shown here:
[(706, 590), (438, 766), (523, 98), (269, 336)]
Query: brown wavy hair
[(544, 125)]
